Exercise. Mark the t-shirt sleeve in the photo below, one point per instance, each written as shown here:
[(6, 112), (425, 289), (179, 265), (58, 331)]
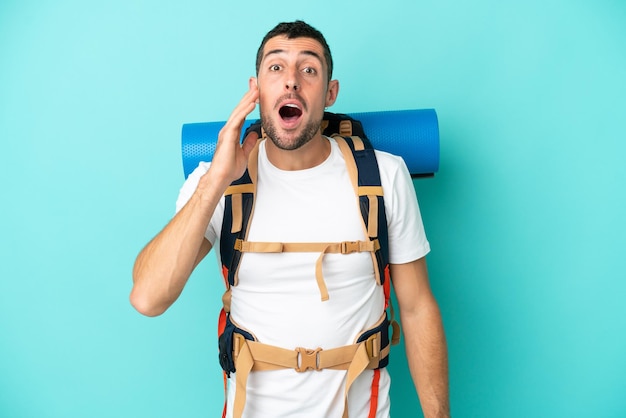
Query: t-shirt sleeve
[(187, 190), (407, 238)]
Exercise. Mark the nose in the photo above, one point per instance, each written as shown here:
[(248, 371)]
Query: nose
[(291, 85), (292, 81)]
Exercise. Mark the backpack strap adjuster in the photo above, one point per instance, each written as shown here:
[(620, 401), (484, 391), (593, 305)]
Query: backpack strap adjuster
[(308, 359), (348, 247)]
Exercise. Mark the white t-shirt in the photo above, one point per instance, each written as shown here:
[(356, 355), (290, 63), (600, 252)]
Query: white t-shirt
[(277, 297)]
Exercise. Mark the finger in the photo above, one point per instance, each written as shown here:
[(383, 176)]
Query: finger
[(244, 108)]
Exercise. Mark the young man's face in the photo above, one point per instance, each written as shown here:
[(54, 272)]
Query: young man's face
[(293, 90)]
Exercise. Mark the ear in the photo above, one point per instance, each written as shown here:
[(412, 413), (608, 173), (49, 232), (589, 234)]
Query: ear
[(332, 92), (253, 84)]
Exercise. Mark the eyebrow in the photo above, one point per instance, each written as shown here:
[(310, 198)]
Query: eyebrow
[(304, 52)]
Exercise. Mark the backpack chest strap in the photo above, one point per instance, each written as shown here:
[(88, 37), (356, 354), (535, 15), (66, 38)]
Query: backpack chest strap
[(345, 247)]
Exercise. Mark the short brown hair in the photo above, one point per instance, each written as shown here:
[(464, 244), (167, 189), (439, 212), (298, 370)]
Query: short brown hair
[(292, 30)]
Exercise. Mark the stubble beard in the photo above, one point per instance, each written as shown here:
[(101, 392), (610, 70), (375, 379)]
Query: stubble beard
[(307, 133)]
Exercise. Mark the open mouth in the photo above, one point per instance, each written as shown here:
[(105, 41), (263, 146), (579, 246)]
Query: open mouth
[(290, 112)]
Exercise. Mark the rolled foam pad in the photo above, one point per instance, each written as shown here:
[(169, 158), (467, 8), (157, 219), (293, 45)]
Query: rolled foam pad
[(411, 134)]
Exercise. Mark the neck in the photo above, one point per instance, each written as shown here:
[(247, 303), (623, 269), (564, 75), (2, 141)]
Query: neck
[(310, 155)]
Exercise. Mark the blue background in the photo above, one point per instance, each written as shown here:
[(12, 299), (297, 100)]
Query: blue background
[(525, 217)]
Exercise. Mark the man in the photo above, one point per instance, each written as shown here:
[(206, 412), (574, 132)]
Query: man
[(303, 195)]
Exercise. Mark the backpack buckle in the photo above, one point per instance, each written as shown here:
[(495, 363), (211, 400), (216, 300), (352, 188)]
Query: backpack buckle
[(348, 247), (307, 359)]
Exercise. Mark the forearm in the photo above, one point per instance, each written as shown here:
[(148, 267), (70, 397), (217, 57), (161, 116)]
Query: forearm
[(163, 267), (427, 357)]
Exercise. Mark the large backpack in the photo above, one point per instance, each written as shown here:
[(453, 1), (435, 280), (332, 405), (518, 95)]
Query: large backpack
[(239, 207)]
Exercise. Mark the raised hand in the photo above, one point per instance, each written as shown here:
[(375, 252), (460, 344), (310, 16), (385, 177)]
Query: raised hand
[(231, 158)]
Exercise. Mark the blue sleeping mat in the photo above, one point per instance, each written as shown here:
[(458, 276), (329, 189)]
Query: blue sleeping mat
[(411, 134)]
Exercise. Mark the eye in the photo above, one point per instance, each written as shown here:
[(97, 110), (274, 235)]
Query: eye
[(309, 70), (275, 67)]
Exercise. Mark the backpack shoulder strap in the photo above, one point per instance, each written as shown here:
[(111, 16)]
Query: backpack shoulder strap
[(238, 208), (365, 177), (366, 182)]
